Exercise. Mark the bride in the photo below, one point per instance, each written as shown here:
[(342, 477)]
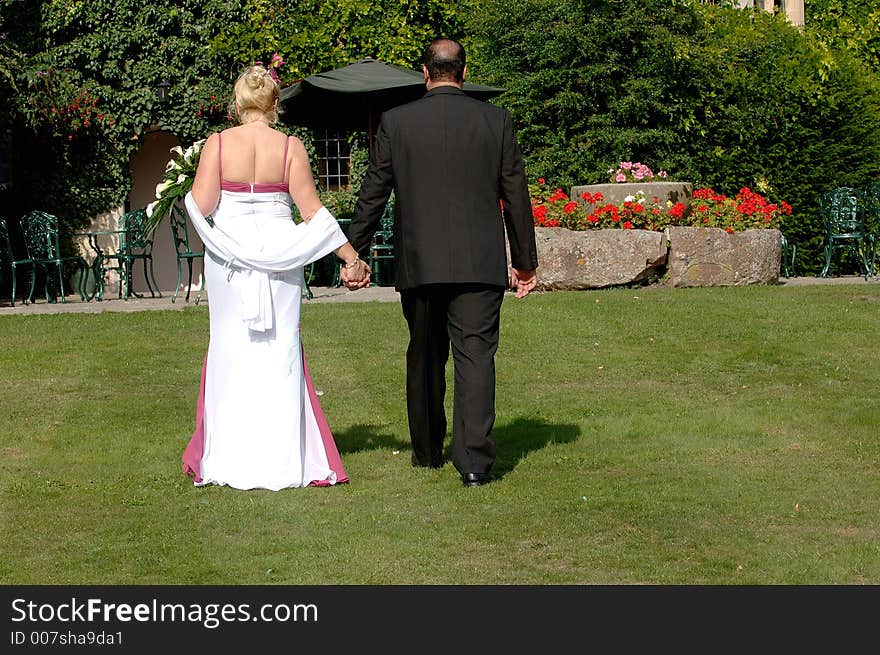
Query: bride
[(258, 420)]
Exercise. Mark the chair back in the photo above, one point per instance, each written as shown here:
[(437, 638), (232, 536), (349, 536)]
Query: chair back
[(871, 203), (5, 245), (40, 232), (386, 223), (840, 209), (180, 232), (135, 235)]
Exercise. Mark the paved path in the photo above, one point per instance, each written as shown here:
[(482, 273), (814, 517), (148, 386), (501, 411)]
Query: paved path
[(114, 304), (844, 279), (321, 295)]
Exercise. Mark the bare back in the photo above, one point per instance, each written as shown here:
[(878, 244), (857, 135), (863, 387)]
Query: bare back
[(255, 154)]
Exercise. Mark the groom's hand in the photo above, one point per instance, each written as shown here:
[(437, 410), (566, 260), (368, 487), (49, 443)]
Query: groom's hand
[(523, 281)]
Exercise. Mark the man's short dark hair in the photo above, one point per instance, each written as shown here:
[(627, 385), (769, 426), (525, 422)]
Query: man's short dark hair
[(445, 60)]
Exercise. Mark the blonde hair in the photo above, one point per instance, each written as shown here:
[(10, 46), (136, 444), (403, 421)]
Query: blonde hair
[(255, 91)]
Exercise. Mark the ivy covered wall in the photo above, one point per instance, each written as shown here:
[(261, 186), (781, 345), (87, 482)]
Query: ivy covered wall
[(79, 77)]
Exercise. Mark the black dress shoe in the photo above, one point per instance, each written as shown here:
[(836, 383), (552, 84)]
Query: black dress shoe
[(475, 479)]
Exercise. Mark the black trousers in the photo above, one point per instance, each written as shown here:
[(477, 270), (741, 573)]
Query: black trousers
[(467, 316)]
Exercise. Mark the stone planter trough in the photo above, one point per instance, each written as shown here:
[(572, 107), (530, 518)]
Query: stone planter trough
[(677, 257)]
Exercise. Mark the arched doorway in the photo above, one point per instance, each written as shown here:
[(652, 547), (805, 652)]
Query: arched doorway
[(147, 167)]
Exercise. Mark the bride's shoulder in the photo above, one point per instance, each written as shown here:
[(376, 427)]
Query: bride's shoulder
[(293, 138), (295, 144)]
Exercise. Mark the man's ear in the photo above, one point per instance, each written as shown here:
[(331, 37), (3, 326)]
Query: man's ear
[(425, 73), (463, 73)]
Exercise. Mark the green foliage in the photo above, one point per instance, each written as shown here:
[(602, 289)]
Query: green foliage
[(774, 108), (721, 97), (847, 25), (53, 52), (317, 35), (114, 53), (590, 83)]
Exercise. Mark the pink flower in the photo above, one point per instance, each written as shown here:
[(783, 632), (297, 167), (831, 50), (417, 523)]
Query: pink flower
[(277, 60), (620, 177)]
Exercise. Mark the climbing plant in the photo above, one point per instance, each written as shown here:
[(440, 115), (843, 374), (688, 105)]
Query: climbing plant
[(80, 78)]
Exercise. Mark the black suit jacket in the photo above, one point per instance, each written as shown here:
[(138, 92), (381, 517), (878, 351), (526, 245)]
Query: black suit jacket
[(450, 159)]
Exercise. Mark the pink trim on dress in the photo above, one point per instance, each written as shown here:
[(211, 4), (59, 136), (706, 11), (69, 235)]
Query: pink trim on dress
[(192, 456), (330, 450), (259, 187)]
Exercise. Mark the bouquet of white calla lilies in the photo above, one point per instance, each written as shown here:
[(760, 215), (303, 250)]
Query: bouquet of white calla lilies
[(176, 182)]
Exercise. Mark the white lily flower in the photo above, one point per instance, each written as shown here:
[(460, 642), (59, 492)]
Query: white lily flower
[(162, 187), (177, 150), (181, 178), (151, 207), (172, 165)]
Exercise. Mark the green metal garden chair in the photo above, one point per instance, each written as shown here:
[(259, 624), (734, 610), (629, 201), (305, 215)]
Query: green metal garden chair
[(845, 229), (382, 248), (178, 219), (136, 243), (789, 253), (40, 232), (8, 259), (871, 210)]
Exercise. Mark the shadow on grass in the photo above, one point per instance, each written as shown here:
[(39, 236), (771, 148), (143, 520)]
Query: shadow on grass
[(513, 441), (517, 439), (365, 437)]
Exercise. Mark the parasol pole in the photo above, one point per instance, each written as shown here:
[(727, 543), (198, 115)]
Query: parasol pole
[(370, 132)]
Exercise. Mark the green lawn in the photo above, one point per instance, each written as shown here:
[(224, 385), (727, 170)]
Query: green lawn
[(660, 436)]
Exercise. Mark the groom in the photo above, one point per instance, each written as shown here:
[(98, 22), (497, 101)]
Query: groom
[(450, 160)]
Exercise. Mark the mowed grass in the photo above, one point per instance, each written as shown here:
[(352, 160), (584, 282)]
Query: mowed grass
[(644, 436)]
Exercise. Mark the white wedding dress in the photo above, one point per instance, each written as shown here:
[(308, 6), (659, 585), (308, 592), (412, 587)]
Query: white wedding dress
[(258, 421)]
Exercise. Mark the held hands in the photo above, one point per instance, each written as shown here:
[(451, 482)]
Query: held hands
[(523, 281), (355, 275)]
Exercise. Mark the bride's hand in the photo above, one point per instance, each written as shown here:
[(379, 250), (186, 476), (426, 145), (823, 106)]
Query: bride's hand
[(357, 276)]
